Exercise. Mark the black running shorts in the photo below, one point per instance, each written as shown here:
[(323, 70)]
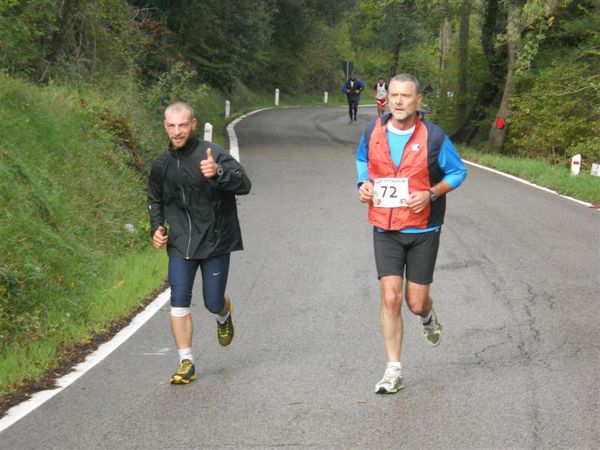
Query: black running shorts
[(414, 253)]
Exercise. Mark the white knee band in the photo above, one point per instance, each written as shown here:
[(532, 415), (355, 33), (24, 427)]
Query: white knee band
[(179, 312)]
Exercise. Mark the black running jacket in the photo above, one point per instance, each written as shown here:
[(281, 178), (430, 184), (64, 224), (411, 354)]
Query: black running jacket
[(200, 214)]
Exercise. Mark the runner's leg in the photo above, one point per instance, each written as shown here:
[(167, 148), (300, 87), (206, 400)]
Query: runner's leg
[(214, 282), (181, 279), (420, 265), (390, 316)]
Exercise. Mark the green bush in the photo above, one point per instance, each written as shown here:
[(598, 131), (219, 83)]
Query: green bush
[(558, 115), (177, 84), (49, 40)]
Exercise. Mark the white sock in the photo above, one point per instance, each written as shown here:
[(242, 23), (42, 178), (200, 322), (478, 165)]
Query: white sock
[(427, 318), (223, 319), (397, 365), (185, 353)]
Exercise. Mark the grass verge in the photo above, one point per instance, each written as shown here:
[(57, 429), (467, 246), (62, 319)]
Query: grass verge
[(583, 187), (75, 252), (123, 285)]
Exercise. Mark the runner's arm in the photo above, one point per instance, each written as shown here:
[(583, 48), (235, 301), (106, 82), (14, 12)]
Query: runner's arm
[(155, 209), (362, 165), (232, 177), (451, 164)]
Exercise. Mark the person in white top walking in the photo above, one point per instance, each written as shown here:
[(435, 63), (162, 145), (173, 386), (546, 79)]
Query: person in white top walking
[(381, 91)]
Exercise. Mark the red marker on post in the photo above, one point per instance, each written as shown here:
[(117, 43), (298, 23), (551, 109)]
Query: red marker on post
[(575, 164)]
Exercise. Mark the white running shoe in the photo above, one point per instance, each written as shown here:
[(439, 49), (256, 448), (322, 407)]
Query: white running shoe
[(391, 382), (433, 330)]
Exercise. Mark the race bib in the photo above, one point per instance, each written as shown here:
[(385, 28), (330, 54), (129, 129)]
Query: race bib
[(390, 192)]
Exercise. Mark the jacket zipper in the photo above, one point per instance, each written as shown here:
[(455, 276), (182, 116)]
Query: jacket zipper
[(187, 252)]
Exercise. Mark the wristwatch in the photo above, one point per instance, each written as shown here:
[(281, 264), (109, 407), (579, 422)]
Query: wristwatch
[(219, 170), (432, 196)]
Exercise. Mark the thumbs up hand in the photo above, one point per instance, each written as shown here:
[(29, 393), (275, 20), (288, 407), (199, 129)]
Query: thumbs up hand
[(208, 166)]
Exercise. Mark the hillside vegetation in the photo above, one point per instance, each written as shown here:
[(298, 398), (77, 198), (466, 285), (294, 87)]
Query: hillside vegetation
[(73, 213), (83, 85)]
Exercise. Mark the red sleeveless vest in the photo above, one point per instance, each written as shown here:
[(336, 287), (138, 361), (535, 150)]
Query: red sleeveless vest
[(414, 166)]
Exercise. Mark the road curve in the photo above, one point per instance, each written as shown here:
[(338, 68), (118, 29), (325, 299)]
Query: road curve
[(516, 287)]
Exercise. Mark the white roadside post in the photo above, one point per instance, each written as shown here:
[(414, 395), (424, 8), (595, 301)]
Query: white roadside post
[(208, 131), (227, 108), (276, 97), (595, 170), (575, 164), (325, 97)]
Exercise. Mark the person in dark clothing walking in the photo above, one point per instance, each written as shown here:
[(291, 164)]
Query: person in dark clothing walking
[(192, 205), (353, 87)]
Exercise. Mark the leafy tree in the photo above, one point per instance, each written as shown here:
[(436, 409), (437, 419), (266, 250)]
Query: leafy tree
[(527, 24), (463, 61), (494, 21), (223, 40), (556, 110), (178, 83), (384, 36), (24, 26), (303, 29), (68, 38)]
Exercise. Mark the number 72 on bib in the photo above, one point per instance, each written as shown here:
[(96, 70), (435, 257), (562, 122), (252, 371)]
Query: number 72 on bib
[(390, 192)]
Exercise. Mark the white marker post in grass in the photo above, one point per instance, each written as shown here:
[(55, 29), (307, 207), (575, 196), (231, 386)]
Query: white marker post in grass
[(595, 170), (276, 97), (227, 108), (325, 97), (575, 164), (208, 131)]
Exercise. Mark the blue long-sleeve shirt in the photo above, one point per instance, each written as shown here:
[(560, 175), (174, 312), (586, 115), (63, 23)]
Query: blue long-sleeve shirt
[(449, 161)]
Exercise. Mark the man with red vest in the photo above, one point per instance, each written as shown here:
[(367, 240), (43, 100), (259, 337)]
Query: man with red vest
[(406, 165)]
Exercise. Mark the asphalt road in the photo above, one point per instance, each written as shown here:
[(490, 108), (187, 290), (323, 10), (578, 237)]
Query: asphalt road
[(516, 287)]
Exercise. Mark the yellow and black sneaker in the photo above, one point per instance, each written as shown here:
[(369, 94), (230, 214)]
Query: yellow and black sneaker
[(185, 373), (225, 331)]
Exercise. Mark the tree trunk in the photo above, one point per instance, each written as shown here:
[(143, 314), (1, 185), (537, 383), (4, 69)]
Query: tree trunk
[(488, 92), (497, 136), (445, 40), (463, 63), (57, 38), (396, 57)]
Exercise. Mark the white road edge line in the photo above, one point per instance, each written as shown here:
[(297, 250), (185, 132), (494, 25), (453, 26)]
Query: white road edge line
[(19, 411), (22, 409), (521, 180), (233, 142)]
